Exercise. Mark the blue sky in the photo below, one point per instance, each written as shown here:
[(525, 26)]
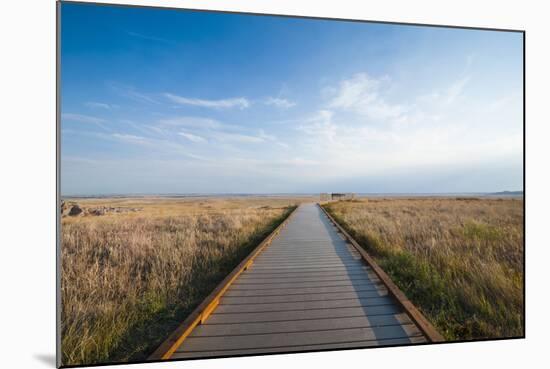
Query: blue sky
[(165, 101)]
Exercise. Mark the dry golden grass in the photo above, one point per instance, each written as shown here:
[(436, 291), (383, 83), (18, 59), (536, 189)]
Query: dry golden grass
[(129, 279), (459, 260)]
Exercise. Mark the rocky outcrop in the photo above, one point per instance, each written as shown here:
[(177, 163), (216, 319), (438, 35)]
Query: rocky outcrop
[(75, 211)]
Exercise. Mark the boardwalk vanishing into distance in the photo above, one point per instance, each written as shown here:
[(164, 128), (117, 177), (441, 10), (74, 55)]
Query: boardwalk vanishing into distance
[(310, 289)]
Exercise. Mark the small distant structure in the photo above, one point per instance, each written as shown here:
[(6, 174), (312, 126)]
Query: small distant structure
[(343, 196), (336, 196)]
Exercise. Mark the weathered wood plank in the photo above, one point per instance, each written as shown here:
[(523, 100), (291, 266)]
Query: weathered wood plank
[(284, 349), (291, 339), (355, 283), (308, 267), (305, 305), (283, 259), (303, 265), (303, 290), (312, 269), (303, 314), (303, 325), (228, 300), (325, 278), (291, 275)]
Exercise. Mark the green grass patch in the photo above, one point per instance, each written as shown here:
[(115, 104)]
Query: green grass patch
[(461, 278)]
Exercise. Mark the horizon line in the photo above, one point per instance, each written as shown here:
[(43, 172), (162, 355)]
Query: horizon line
[(199, 194)]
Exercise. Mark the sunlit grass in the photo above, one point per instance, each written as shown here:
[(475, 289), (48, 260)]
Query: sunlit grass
[(129, 279), (460, 261)]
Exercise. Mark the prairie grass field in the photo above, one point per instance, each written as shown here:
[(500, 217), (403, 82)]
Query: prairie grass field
[(128, 278), (460, 260)]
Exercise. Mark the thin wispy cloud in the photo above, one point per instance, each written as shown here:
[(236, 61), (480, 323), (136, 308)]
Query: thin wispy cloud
[(196, 129), (443, 97), (150, 38), (151, 145), (501, 102), (191, 122), (79, 160), (455, 90), (131, 93), (81, 118), (237, 102), (363, 94), (236, 137), (100, 105), (191, 137), (130, 138), (279, 103), (200, 129), (319, 125)]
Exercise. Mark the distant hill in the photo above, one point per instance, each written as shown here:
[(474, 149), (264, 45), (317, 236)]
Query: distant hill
[(506, 193)]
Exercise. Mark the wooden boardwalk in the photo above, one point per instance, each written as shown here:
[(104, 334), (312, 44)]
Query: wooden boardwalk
[(309, 290)]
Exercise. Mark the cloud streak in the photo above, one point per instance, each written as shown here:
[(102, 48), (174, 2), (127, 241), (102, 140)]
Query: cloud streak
[(99, 105), (237, 102), (199, 130), (363, 94), (81, 118), (131, 93), (150, 38), (279, 103), (130, 138), (191, 137)]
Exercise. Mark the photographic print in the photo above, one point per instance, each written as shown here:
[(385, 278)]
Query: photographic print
[(237, 184)]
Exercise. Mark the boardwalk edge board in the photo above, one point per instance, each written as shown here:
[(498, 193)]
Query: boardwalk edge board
[(201, 313), (416, 316)]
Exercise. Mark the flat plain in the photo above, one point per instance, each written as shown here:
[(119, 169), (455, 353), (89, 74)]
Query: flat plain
[(460, 260), (134, 268)]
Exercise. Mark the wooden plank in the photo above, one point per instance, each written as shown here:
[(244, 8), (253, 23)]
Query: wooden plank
[(304, 314), (297, 279), (295, 242), (303, 348), (288, 256), (285, 257), (296, 258), (307, 263), (302, 290), (210, 330), (315, 247), (302, 244), (292, 275), (228, 300), (302, 253), (291, 339), (318, 268), (305, 305), (309, 271), (308, 267), (291, 285)]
